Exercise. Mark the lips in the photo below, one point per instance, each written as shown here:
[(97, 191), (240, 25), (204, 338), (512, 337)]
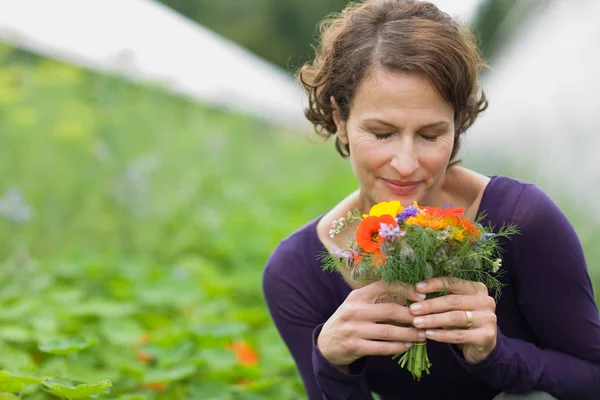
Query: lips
[(401, 187), (402, 183)]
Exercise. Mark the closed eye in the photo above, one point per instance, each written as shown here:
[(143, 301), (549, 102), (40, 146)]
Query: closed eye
[(429, 138), (382, 136)]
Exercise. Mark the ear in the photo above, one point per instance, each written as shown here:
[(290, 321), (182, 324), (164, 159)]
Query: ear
[(339, 123)]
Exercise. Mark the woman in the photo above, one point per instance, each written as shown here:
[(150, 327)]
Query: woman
[(396, 82)]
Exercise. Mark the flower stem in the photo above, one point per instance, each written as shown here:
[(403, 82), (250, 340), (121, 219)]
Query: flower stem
[(415, 360)]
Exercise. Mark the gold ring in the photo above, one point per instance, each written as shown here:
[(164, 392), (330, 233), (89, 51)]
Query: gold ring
[(469, 319)]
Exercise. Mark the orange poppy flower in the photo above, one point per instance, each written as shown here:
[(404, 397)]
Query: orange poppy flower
[(357, 259), (156, 386), (144, 338), (143, 356), (245, 355), (445, 212), (378, 258), (470, 229), (367, 234)]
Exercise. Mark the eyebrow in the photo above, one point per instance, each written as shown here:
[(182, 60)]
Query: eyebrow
[(431, 125)]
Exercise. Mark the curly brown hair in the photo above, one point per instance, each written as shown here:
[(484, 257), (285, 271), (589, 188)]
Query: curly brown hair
[(396, 35)]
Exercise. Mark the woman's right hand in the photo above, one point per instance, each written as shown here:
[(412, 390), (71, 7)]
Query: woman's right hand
[(362, 327)]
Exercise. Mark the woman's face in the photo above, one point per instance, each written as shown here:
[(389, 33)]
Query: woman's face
[(401, 133)]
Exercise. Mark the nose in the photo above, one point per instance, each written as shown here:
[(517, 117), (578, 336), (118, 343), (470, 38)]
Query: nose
[(405, 159)]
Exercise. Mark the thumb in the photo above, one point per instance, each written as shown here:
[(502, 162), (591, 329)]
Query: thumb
[(376, 290)]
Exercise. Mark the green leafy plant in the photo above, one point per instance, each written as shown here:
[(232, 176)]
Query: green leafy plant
[(148, 222)]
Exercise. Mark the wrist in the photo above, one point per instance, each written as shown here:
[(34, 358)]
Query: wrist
[(344, 368), (324, 353), (474, 355)]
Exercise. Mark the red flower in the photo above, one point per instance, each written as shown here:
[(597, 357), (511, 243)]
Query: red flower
[(245, 355), (367, 234), (445, 212), (470, 229), (357, 259), (143, 356), (378, 258), (156, 386)]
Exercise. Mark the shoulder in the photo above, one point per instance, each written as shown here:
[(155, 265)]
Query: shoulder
[(294, 260), (536, 215), (524, 203), (518, 201), (304, 244), (295, 245), (293, 280)]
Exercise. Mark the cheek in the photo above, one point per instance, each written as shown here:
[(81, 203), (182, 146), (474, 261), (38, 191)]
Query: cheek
[(435, 157), (370, 153)]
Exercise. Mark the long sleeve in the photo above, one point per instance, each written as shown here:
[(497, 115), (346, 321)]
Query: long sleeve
[(298, 305), (555, 295)]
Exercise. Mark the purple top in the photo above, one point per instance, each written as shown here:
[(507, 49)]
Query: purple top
[(548, 323)]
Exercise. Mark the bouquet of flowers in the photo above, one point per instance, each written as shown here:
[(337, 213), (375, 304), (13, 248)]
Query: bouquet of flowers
[(397, 244)]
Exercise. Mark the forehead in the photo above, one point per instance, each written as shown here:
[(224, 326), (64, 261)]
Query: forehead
[(396, 95)]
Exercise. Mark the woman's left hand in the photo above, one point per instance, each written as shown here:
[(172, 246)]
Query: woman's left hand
[(446, 318)]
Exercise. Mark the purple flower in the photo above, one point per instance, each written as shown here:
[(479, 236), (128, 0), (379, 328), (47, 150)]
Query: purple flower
[(343, 254), (408, 212), (484, 237), (390, 233), (337, 251)]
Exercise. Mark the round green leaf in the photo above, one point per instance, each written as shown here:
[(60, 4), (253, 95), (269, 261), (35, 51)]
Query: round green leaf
[(102, 308), (16, 334), (10, 385), (262, 384), (121, 331), (131, 397), (221, 330), (65, 389), (211, 390), (25, 378), (170, 375), (63, 347)]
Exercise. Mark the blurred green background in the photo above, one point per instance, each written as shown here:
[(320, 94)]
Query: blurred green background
[(134, 225)]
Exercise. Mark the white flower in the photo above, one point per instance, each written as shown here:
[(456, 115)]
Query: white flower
[(443, 235), (338, 226), (14, 208), (496, 265)]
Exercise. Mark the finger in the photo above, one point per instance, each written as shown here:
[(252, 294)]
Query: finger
[(376, 290), (375, 348), (383, 312), (451, 284), (453, 319), (478, 337), (453, 302), (389, 333)]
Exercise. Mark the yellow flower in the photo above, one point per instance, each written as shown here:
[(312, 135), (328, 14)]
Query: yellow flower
[(385, 208), (458, 234), (427, 221), (451, 221)]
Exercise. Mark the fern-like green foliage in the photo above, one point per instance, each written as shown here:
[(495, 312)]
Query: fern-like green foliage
[(423, 253)]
